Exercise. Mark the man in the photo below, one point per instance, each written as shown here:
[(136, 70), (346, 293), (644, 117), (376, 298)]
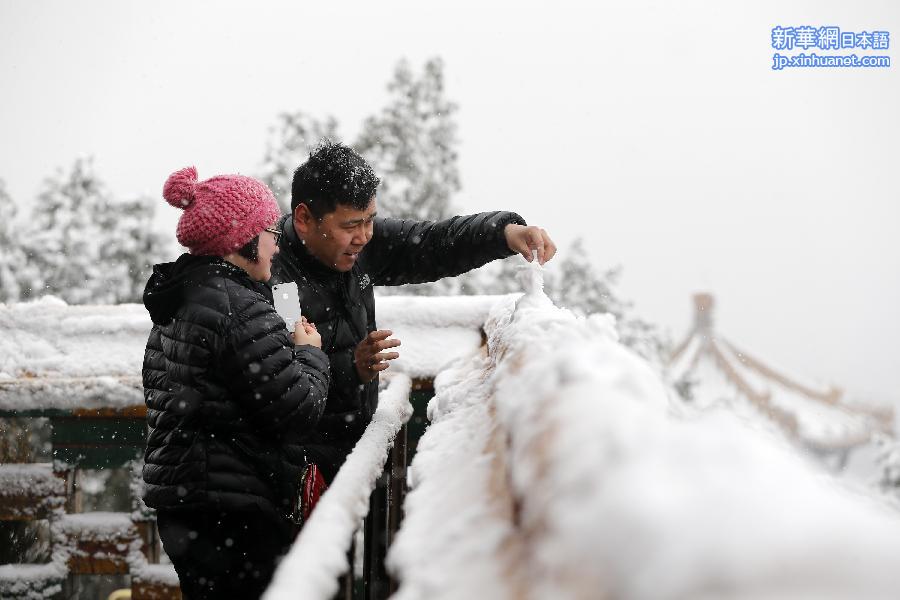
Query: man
[(336, 249)]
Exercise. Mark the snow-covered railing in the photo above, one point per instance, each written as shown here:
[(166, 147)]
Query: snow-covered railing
[(32, 581), (318, 558), (30, 491), (559, 466)]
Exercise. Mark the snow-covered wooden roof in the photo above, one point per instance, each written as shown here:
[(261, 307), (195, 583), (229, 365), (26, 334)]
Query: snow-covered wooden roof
[(817, 415), (59, 356), (53, 355)]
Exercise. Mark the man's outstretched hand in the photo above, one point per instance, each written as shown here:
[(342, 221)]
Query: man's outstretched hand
[(369, 357), (523, 239)]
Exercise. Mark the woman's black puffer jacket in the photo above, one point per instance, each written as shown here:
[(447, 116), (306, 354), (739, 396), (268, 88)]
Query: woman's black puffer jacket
[(228, 394)]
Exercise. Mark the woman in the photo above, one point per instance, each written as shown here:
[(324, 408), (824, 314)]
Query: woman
[(228, 391)]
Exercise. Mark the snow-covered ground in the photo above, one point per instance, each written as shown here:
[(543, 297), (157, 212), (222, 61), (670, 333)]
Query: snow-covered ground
[(558, 466)]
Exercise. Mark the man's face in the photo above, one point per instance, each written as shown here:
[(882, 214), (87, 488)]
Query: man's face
[(338, 237)]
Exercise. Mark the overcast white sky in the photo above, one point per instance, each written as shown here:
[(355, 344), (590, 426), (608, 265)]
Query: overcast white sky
[(657, 131)]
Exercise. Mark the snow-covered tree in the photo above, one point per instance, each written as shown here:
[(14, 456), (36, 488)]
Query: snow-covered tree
[(12, 259), (291, 139), (84, 247), (133, 247), (582, 287), (412, 144), (63, 235)]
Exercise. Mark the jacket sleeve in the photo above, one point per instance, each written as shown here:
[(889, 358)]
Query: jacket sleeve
[(280, 386), (404, 251)]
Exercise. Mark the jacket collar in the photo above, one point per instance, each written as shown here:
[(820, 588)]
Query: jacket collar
[(165, 290)]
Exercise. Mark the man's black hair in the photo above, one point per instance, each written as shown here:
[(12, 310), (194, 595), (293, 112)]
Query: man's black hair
[(250, 250), (334, 174)]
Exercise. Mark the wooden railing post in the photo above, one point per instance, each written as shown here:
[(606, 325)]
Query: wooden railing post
[(383, 521), (376, 540), (396, 494)]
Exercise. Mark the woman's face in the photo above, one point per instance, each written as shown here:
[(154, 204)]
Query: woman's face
[(261, 270)]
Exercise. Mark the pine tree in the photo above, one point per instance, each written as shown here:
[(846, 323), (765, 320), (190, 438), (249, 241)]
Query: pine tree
[(132, 249), (83, 247), (63, 235), (412, 145), (291, 139), (12, 259)]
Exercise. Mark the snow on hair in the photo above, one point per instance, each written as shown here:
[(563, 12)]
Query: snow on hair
[(179, 188)]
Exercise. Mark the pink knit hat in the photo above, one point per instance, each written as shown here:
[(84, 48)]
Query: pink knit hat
[(222, 213)]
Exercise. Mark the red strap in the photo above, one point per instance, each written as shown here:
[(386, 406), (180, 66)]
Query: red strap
[(313, 487)]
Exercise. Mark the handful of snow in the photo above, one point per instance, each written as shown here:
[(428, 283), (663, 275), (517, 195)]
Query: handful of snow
[(532, 276)]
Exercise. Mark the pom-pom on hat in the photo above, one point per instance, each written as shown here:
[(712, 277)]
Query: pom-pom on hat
[(222, 213)]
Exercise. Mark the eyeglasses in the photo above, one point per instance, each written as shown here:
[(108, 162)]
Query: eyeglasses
[(276, 232)]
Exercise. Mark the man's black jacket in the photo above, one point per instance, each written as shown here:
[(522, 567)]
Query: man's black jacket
[(342, 305), (228, 394)]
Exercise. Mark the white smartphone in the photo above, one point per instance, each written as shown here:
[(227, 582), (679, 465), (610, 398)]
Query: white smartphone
[(287, 303)]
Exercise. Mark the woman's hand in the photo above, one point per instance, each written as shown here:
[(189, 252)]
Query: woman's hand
[(305, 333)]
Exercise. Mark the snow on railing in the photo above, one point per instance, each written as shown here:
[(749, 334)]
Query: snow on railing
[(558, 466), (32, 581), (319, 556), (88, 543), (30, 479)]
